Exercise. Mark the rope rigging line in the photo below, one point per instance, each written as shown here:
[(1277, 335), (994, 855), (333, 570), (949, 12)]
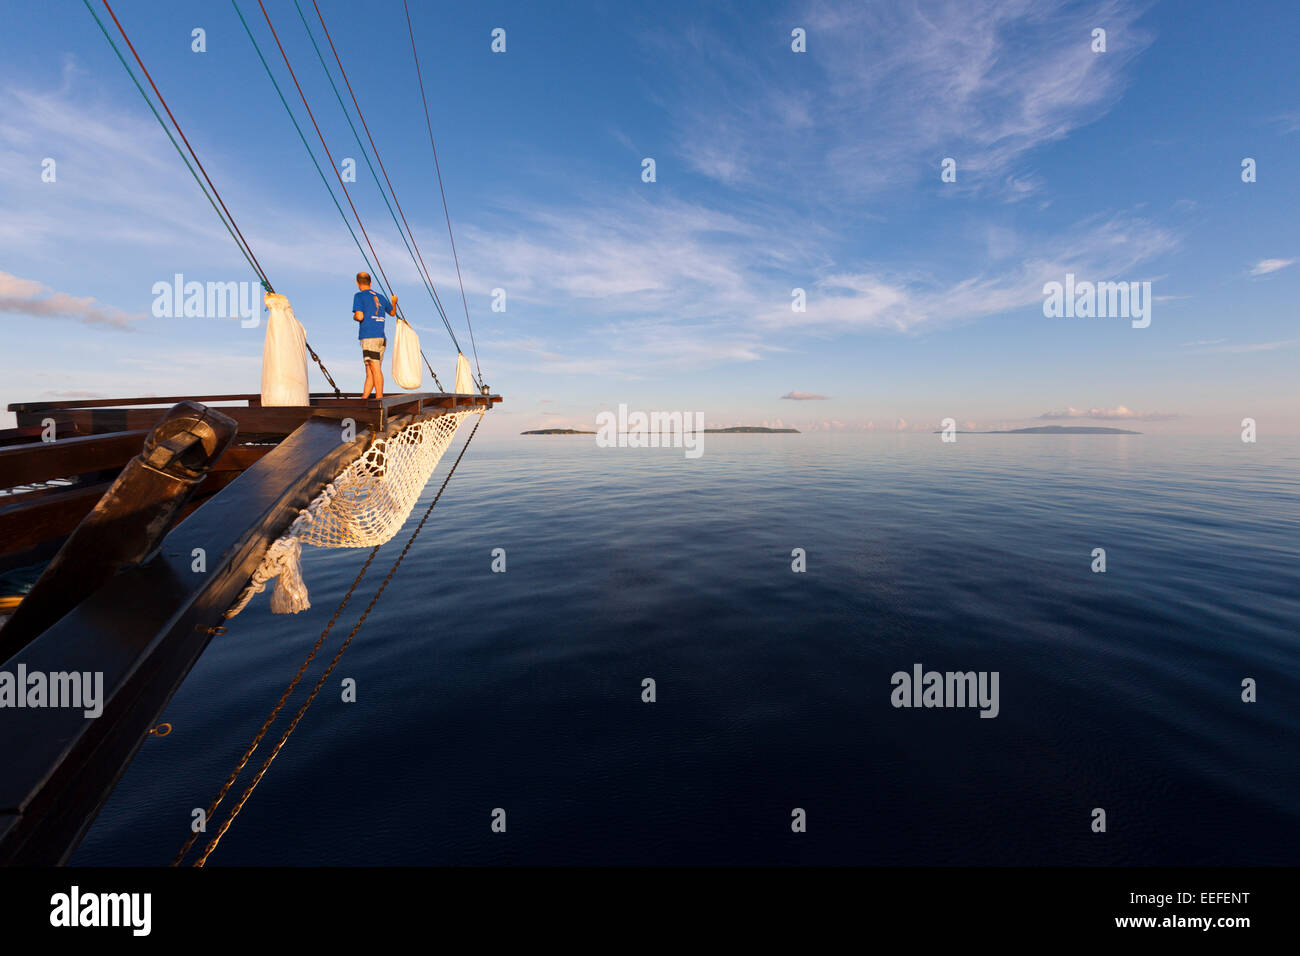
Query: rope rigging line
[(293, 724), (279, 705), (364, 155), (385, 284), (179, 151), (382, 277), (329, 378), (257, 267), (420, 266), (293, 119), (446, 211), (231, 227)]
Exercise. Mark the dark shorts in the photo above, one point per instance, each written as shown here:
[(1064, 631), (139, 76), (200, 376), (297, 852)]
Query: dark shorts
[(372, 350)]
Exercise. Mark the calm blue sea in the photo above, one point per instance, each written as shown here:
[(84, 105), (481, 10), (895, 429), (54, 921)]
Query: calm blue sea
[(523, 690)]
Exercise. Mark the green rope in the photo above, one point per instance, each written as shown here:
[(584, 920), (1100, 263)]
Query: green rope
[(131, 73), (375, 273), (383, 195), (262, 277), (371, 166), (294, 120)]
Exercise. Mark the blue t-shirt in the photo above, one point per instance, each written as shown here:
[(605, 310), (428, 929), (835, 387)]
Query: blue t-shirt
[(372, 325)]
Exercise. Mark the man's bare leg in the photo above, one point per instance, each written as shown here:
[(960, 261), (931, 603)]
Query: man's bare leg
[(370, 379), (377, 373)]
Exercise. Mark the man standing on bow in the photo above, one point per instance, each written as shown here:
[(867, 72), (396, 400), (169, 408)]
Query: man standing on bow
[(369, 309)]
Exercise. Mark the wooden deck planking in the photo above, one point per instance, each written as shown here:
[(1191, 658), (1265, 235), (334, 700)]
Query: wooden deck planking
[(252, 419), (29, 520), (24, 464)]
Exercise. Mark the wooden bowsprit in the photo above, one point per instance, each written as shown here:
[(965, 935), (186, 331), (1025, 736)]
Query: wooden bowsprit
[(145, 627)]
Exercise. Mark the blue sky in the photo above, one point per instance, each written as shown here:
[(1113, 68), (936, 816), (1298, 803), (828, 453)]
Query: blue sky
[(775, 170)]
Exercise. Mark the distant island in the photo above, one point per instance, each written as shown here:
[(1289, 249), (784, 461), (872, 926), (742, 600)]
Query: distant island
[(1055, 430), (736, 430)]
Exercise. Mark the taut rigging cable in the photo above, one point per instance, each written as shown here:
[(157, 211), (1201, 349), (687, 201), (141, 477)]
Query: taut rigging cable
[(328, 155), (228, 222), (198, 162), (417, 255), (445, 210), (419, 265), (424, 278), (231, 226), (382, 277)]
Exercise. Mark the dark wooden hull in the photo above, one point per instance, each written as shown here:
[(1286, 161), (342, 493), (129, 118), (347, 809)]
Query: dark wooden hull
[(97, 437), (146, 626)]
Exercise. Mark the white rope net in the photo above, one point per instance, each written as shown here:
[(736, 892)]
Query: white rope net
[(364, 506)]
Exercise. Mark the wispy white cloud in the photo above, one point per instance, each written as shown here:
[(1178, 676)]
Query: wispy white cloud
[(132, 173), (118, 182), (1258, 346), (1119, 412), (804, 397), (31, 298), (893, 88), (1286, 122), (882, 298), (1266, 266), (679, 284), (652, 281)]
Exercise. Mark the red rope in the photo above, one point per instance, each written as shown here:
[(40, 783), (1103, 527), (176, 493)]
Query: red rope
[(445, 210), (247, 248), (328, 155), (374, 149)]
